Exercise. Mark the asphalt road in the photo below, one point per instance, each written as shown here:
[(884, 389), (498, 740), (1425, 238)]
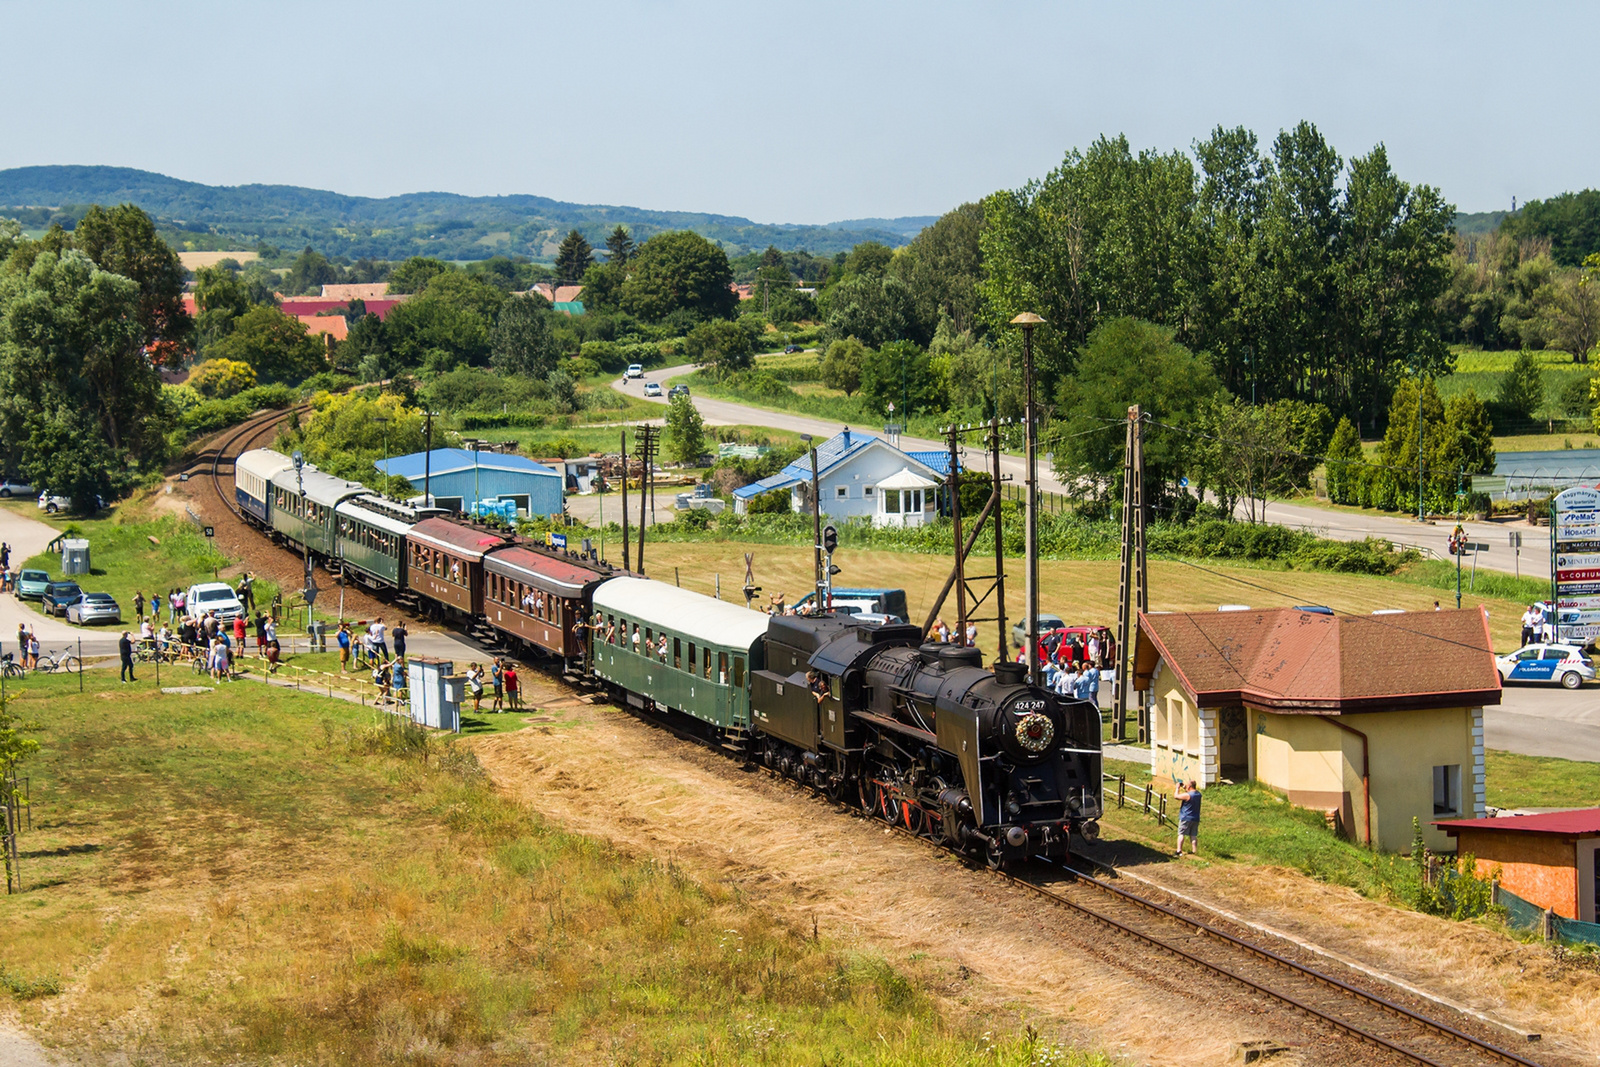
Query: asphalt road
[(1533, 560)]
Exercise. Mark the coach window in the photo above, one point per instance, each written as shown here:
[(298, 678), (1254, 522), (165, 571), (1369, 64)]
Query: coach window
[(705, 659), (690, 664), (677, 653), (722, 668), (738, 672)]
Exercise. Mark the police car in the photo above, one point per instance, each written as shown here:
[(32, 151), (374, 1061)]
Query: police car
[(1567, 664)]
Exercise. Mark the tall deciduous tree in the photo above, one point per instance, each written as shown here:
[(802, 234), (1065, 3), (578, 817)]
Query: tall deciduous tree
[(124, 241), (573, 257), (721, 344), (414, 274), (278, 348), (679, 271), (841, 365)]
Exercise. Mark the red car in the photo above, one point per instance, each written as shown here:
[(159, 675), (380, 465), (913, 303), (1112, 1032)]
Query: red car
[(1073, 641)]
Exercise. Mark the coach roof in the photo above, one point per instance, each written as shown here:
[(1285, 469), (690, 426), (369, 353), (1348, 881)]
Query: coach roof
[(658, 604)]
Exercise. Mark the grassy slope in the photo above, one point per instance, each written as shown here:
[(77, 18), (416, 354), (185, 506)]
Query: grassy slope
[(267, 876)]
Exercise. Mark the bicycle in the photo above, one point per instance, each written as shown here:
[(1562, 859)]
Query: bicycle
[(10, 668), (54, 662)]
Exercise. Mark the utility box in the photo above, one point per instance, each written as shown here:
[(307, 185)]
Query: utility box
[(435, 701), (75, 556)]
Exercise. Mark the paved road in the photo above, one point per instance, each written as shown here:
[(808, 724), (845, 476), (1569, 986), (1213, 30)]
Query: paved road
[(28, 537), (1534, 559), (1546, 721)]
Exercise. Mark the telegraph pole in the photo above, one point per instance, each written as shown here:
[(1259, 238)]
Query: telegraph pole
[(646, 447), (1028, 320), (954, 482), (821, 602), (1133, 595), (625, 564), (1002, 639)]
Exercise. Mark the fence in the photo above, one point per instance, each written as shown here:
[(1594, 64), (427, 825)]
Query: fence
[(1048, 501), (1522, 915), (1152, 803)]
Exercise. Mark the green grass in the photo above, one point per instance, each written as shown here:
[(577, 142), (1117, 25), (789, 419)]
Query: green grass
[(1516, 781), (253, 875), (125, 560)]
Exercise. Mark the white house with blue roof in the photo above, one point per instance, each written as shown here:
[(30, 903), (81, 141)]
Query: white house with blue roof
[(860, 476), (456, 476)]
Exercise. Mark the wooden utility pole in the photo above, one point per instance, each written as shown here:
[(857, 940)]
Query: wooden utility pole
[(1002, 639), (646, 447), (1030, 524), (1133, 594), (954, 483), (820, 601), (626, 566)]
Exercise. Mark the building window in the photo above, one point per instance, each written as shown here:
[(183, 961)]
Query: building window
[(841, 492), (1447, 789), (867, 491), (891, 501)]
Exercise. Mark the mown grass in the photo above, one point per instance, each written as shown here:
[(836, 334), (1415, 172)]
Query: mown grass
[(1517, 781), (270, 877), (125, 560)]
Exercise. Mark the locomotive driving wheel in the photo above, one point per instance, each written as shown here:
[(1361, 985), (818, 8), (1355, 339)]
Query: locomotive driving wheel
[(886, 805), (914, 818)]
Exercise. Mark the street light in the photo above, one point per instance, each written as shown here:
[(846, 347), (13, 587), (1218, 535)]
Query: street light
[(1028, 320)]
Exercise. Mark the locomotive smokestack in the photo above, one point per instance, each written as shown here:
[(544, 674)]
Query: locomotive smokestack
[(1009, 673)]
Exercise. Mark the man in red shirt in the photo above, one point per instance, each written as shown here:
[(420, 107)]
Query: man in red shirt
[(513, 687), (238, 633)]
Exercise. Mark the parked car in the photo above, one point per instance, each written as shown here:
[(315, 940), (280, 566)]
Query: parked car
[(1052, 639), (1047, 622), (93, 607), (54, 502), (790, 350), (214, 596), (635, 370), (863, 609), (10, 487), (32, 584), (57, 595), (652, 389), (677, 390), (1567, 664)]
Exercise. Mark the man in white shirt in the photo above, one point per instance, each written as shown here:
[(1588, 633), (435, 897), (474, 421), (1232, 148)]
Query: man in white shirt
[(1530, 623), (379, 644)]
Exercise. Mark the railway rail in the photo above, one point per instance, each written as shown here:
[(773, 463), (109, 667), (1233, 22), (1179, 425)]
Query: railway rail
[(1390, 1028), (247, 432)]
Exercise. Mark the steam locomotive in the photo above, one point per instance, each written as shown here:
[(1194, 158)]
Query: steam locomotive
[(920, 735)]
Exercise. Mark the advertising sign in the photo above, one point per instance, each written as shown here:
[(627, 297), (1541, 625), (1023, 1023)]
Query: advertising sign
[(1575, 563), (559, 540)]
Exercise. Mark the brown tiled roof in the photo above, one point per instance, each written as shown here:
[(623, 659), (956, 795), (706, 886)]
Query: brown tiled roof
[(334, 326), (565, 293), (1287, 660)]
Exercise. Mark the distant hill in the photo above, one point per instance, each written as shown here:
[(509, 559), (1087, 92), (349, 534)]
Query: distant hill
[(200, 217)]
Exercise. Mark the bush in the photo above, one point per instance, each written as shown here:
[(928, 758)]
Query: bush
[(776, 502), (218, 379)]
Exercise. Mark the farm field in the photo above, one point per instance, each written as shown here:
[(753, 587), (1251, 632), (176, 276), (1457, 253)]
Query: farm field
[(270, 877)]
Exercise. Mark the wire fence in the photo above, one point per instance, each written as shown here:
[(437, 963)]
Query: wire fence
[(1523, 915)]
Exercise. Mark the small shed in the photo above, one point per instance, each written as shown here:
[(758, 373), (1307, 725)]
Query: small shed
[(75, 556), (1376, 719), (456, 476), (1551, 860)]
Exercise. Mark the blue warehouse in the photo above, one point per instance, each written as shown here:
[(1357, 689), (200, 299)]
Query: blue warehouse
[(457, 476)]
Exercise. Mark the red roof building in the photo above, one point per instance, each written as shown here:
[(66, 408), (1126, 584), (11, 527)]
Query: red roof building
[(1377, 719), (1551, 860)]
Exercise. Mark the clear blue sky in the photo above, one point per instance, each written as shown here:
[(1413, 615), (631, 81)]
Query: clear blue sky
[(797, 112)]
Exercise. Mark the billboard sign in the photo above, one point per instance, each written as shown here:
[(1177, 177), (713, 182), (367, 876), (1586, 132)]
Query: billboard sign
[(1575, 563)]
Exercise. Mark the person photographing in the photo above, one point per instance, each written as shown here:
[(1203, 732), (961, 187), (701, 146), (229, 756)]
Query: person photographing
[(1189, 818)]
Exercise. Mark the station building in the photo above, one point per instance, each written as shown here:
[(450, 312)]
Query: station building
[(457, 476), (1376, 720)]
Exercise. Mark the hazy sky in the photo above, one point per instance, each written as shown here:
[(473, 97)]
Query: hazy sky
[(796, 112)]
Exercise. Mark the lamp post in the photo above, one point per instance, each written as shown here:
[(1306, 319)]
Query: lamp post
[(1028, 320)]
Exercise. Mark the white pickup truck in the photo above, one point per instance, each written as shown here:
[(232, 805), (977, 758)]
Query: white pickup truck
[(213, 596)]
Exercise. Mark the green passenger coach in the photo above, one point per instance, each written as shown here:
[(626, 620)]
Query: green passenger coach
[(681, 650)]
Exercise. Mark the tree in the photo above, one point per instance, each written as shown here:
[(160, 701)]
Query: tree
[(722, 345), (1127, 361), (1345, 464), (573, 257), (347, 433), (679, 271), (78, 396), (943, 265), (901, 374), (15, 749), (217, 379), (414, 274), (523, 343), (309, 273), (563, 391), (1569, 222), (278, 348), (1248, 452), (450, 323), (686, 437), (841, 366), (124, 241), (868, 259), (1456, 441), (619, 246), (1573, 300), (875, 309), (1522, 390), (602, 287)]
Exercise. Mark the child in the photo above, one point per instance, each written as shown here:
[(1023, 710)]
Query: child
[(475, 686), (512, 694)]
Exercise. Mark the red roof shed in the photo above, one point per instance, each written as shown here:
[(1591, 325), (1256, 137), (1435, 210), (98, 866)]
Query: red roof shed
[(1551, 860)]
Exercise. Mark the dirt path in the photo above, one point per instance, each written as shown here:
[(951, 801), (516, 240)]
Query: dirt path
[(985, 947), (17, 1049)]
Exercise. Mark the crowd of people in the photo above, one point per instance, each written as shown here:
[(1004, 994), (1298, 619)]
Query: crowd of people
[(204, 636)]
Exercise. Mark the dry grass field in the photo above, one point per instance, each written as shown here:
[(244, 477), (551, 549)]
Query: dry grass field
[(196, 260), (1077, 590)]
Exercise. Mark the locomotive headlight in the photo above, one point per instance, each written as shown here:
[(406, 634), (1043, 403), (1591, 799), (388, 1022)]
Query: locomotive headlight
[(1035, 732)]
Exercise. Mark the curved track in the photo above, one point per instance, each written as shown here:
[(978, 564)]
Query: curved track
[(227, 450)]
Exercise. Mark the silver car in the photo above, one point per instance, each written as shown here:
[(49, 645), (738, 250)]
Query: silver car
[(93, 607)]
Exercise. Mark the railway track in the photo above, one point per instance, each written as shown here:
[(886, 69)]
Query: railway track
[(1392, 1030), (246, 432)]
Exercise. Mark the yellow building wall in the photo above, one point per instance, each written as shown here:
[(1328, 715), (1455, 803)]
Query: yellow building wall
[(1183, 739), (1317, 765)]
